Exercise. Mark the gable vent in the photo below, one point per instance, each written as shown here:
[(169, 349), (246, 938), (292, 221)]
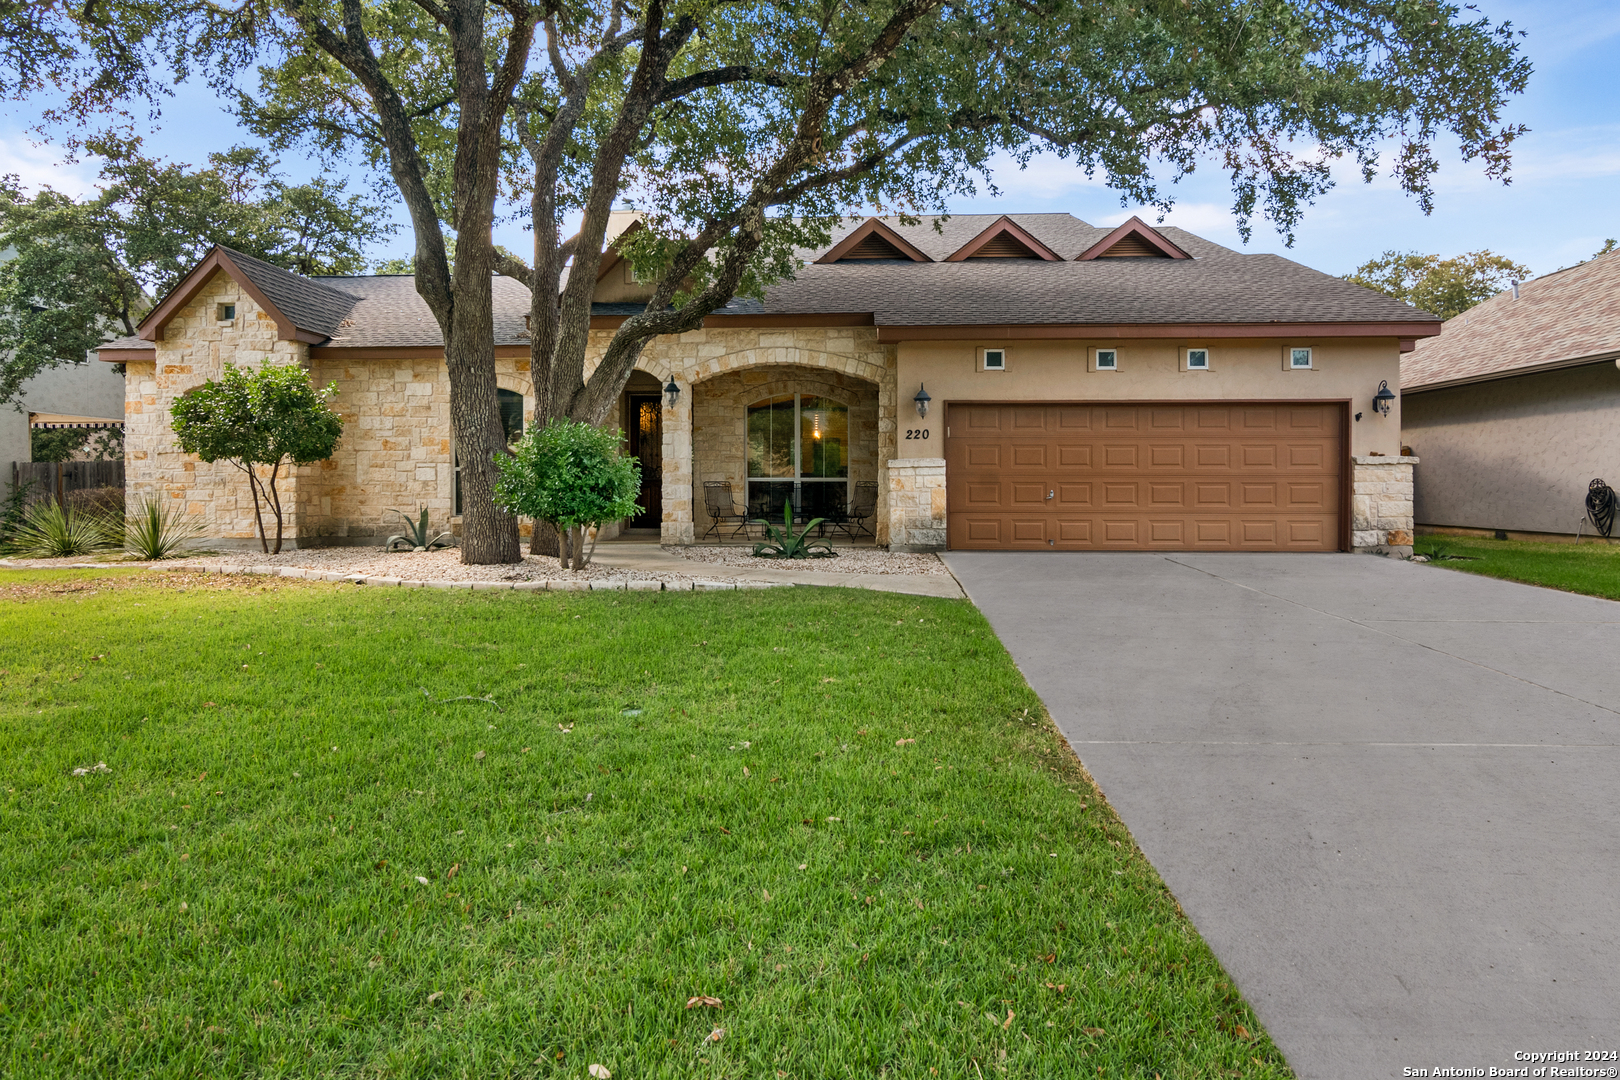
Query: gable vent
[(1004, 246), (874, 246), (1132, 246)]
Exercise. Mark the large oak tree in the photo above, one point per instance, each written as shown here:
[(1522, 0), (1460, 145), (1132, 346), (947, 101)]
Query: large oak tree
[(743, 130)]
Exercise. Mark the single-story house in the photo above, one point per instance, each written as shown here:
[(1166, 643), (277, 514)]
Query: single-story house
[(1025, 382), (1515, 407)]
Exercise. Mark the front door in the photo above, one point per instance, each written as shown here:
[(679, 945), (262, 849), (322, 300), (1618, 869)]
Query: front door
[(647, 446)]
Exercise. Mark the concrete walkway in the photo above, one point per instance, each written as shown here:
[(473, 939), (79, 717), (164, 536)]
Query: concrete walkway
[(632, 555), (1388, 794)]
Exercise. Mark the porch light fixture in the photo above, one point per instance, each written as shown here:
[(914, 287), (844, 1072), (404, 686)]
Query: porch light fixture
[(1383, 399), (922, 399), (672, 392)]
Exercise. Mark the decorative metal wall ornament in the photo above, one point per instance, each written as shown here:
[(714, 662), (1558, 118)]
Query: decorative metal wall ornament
[(1600, 506)]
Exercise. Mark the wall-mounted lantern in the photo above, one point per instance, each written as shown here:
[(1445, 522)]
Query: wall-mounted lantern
[(672, 392), (1383, 399), (922, 399)]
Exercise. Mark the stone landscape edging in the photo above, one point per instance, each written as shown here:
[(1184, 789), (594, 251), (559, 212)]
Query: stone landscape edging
[(542, 585)]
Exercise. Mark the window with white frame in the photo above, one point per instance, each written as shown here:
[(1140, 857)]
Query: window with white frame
[(995, 359), (1299, 357), (1107, 360), (1197, 359)]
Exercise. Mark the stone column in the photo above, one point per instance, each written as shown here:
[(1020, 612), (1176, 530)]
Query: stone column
[(917, 504), (676, 527), (1381, 505), (888, 423)]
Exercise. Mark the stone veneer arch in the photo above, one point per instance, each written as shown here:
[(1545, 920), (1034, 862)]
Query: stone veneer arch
[(847, 363)]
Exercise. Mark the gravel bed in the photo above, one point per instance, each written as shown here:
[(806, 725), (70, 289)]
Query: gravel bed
[(441, 565), (848, 561)]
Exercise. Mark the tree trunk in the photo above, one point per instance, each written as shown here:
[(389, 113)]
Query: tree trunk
[(488, 534), (577, 535), (563, 536), (543, 541)]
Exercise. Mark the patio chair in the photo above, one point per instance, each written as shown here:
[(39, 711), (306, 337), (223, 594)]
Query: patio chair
[(722, 508), (836, 514), (863, 509)]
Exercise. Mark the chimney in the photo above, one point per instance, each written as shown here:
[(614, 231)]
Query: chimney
[(1515, 285)]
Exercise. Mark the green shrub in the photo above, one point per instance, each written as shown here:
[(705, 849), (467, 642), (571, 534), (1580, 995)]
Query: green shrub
[(52, 531), (159, 530), (572, 475)]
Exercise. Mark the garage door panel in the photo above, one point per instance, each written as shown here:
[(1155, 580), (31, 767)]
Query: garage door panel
[(1026, 495), (1115, 495), (1201, 476)]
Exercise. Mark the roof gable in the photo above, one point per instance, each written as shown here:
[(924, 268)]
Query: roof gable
[(1004, 239), (873, 239), (1135, 239), (303, 310)]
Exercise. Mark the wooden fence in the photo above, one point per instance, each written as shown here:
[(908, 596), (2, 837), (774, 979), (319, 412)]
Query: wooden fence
[(56, 479)]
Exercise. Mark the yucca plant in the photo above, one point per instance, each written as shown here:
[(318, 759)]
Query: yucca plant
[(51, 531), (417, 536), (784, 543), (159, 530)]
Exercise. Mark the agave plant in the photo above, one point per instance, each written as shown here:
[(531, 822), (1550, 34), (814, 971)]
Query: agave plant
[(784, 543), (52, 531), (417, 536), (159, 530)]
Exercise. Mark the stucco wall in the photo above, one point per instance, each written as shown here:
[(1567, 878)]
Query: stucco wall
[(1150, 370), (719, 422), (88, 389), (1515, 454), (196, 347)]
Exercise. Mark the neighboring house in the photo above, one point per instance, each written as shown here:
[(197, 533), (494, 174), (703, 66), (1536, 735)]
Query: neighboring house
[(1090, 388), (73, 395), (1515, 408)]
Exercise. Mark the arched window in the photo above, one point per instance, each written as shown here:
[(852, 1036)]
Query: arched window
[(510, 404), (798, 449)]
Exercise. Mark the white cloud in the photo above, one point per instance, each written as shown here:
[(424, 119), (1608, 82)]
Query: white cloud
[(41, 165)]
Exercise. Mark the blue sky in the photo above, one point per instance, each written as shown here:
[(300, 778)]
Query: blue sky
[(1563, 202)]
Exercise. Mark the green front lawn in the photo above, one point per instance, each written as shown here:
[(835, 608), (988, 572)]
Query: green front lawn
[(388, 832), (1590, 568)]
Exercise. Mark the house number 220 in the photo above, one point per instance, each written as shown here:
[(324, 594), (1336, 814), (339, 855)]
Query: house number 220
[(916, 433)]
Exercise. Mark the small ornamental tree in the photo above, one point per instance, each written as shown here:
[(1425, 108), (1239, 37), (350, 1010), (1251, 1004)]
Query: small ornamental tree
[(255, 419), (571, 475)]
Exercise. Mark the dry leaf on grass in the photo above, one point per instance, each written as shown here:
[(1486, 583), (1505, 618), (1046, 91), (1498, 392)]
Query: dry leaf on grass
[(452, 872), (1094, 1031), (904, 742), (600, 1072), (704, 1000), (478, 756), (1240, 1031), (422, 880), (435, 997), (717, 1034), (1008, 1023)]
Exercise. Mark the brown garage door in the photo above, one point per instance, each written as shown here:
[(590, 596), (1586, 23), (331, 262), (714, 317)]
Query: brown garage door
[(1215, 477)]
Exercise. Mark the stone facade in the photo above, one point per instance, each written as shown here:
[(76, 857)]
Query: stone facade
[(1381, 505), (396, 448), (719, 419), (196, 346), (917, 504), (851, 354)]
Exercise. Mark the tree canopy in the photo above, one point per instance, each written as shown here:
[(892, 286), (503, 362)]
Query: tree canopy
[(84, 268), (744, 130), (1445, 287)]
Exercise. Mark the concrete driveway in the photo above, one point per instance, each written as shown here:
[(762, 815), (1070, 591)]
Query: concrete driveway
[(1387, 794)]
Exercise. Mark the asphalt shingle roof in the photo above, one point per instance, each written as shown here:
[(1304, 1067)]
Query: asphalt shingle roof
[(1562, 318), (1217, 285), (310, 303)]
